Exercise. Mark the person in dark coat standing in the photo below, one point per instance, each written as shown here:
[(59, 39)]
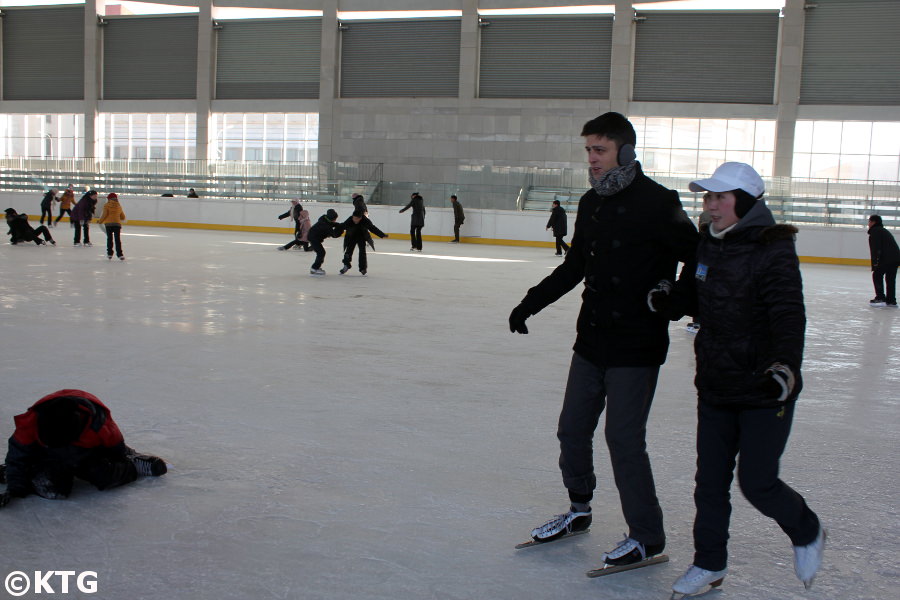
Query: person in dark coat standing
[(747, 295), (459, 217), (630, 232), (559, 226), (47, 207), (416, 221), (357, 233), (82, 215), (69, 434), (885, 256), (325, 227)]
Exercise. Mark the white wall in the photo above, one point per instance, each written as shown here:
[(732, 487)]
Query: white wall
[(492, 226)]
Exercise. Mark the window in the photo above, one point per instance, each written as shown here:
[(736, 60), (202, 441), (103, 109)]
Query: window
[(52, 136), (265, 137), (143, 136), (862, 150)]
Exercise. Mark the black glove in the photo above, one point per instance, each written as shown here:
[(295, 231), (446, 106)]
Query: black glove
[(658, 298), (517, 319), (4, 498), (2, 473), (779, 382)]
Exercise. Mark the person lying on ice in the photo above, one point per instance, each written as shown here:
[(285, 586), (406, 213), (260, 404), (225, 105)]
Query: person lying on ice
[(69, 434)]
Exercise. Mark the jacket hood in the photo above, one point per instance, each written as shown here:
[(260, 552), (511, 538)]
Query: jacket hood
[(758, 216)]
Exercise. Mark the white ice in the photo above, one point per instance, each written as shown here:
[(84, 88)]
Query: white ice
[(388, 438)]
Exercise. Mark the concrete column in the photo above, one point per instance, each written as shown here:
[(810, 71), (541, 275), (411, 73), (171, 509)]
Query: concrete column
[(622, 57), (790, 70), (329, 116), (468, 53), (206, 75), (93, 73)]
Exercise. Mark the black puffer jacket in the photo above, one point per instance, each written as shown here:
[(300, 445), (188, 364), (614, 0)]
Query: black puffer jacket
[(750, 308), (622, 246)]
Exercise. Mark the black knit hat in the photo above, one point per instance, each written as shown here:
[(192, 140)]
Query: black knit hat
[(331, 214)]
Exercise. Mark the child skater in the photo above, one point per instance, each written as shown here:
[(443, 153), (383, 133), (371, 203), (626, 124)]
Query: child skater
[(747, 296), (69, 434), (113, 217), (325, 227), (357, 229)]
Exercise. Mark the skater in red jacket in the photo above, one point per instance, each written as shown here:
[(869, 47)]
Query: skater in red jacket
[(69, 434)]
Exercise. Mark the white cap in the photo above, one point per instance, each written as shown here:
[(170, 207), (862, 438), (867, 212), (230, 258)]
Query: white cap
[(731, 176)]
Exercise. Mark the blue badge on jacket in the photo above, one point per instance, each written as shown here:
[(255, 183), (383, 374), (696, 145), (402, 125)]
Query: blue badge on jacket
[(701, 272)]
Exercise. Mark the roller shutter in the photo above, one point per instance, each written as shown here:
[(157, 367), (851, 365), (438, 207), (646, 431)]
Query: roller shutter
[(150, 58), (385, 59), (706, 57), (545, 57), (851, 53), (43, 54), (276, 58)]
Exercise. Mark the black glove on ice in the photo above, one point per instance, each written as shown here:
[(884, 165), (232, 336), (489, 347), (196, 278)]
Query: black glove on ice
[(658, 298), (779, 382), (517, 319), (4, 498)]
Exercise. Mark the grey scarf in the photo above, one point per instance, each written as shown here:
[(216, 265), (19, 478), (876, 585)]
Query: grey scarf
[(614, 180)]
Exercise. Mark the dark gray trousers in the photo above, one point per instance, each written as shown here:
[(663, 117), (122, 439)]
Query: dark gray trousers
[(626, 393)]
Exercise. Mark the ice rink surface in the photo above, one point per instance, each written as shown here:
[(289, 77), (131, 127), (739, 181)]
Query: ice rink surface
[(348, 438)]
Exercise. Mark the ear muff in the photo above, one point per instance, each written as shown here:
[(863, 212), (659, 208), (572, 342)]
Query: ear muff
[(626, 154)]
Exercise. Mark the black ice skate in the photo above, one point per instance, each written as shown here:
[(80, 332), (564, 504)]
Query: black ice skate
[(147, 465), (560, 526), (630, 554)]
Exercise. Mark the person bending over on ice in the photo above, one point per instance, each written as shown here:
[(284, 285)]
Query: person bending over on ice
[(630, 232), (20, 230), (325, 227), (69, 434), (747, 296), (357, 235)]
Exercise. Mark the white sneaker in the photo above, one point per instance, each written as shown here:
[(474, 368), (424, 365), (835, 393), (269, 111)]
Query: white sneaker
[(808, 558), (560, 525), (696, 579)]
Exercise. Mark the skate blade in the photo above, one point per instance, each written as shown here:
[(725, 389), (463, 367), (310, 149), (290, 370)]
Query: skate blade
[(531, 543), (610, 569), (712, 586)]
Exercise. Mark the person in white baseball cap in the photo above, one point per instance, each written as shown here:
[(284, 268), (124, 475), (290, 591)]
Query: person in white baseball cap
[(747, 296)]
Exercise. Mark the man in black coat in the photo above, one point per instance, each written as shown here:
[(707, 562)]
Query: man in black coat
[(459, 217), (416, 221), (356, 235), (885, 257), (559, 226), (630, 232)]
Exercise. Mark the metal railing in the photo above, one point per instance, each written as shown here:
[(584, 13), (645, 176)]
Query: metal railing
[(828, 202)]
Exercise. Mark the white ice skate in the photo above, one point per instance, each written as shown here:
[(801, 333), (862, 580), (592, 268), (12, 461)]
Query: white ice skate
[(808, 558), (696, 581)]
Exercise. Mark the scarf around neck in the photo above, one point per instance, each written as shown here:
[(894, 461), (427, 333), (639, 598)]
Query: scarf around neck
[(614, 180)]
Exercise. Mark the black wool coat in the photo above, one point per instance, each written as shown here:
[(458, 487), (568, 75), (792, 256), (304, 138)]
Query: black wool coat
[(558, 222), (622, 246)]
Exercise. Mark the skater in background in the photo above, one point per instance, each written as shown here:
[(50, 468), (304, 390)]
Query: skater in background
[(416, 221), (300, 217), (112, 218), (459, 217), (747, 295), (630, 232), (357, 229), (20, 230), (69, 434), (47, 207), (82, 215), (558, 223), (192, 194), (325, 227), (65, 204), (359, 203), (885, 257)]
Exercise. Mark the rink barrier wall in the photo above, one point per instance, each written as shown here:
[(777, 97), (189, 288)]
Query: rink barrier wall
[(815, 244)]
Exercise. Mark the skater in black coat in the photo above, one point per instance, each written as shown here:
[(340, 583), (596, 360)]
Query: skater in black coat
[(20, 230), (416, 221), (559, 226), (885, 256), (325, 227), (356, 235), (47, 207), (459, 217), (630, 232), (747, 295)]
